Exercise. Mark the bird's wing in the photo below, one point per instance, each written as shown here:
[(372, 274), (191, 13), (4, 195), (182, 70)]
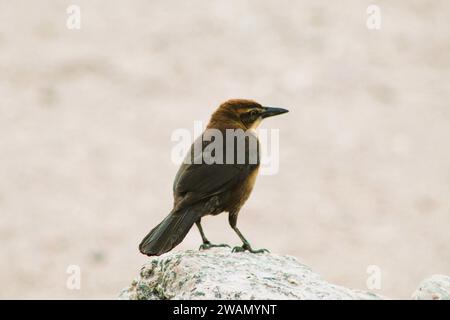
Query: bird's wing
[(201, 181), (206, 180)]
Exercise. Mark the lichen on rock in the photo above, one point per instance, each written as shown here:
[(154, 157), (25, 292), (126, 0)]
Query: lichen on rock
[(436, 287), (220, 274)]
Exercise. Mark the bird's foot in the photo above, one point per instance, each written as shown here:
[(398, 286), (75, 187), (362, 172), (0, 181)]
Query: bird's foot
[(209, 245), (247, 247)]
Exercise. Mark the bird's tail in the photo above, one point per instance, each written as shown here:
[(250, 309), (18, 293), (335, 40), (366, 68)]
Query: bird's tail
[(169, 233)]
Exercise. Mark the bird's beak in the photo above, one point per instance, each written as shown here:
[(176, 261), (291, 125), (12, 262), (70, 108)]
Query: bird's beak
[(270, 112)]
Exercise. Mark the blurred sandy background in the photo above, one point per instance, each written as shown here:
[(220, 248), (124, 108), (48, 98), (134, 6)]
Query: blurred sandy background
[(86, 119)]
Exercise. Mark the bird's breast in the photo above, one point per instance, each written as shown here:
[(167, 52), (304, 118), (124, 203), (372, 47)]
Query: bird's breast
[(242, 191)]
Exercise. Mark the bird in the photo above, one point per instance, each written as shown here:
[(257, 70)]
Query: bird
[(204, 187)]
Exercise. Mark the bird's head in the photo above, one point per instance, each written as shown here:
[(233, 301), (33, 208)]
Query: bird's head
[(241, 112)]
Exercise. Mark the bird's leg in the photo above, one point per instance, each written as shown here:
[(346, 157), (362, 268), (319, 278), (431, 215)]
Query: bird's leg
[(206, 243), (246, 245)]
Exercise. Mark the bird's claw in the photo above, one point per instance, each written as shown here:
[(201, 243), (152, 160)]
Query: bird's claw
[(238, 249), (209, 245), (248, 248)]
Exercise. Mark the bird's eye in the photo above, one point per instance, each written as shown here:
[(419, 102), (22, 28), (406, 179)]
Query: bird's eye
[(253, 113)]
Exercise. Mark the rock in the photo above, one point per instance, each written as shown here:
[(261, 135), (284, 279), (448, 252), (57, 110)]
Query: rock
[(436, 287), (220, 274)]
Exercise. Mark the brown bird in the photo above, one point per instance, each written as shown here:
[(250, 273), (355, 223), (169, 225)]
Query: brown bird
[(214, 180)]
